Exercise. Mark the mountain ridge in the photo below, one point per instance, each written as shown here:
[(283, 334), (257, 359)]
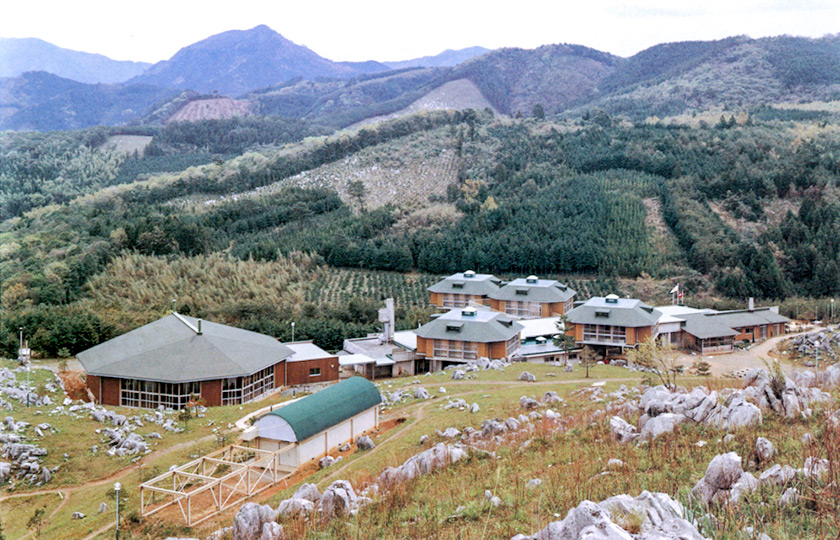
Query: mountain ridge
[(21, 55)]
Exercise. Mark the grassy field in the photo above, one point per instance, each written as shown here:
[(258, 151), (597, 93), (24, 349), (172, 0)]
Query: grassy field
[(571, 462), (85, 479)]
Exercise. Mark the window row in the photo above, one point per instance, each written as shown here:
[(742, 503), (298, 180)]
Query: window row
[(152, 394), (520, 308), (455, 349), (601, 333), (244, 389)]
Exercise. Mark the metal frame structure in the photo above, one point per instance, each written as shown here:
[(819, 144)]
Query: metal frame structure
[(228, 476)]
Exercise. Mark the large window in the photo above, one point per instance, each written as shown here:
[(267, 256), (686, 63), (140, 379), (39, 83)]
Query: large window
[(244, 389), (152, 394), (315, 372), (455, 300), (519, 308), (461, 350), (600, 333), (723, 343)]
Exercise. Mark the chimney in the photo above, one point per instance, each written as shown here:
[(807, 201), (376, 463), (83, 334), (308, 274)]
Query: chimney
[(199, 327), (751, 303)]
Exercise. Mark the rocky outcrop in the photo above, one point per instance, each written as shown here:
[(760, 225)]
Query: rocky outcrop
[(250, 520), (662, 519)]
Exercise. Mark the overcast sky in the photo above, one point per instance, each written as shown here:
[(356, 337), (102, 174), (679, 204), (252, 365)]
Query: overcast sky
[(153, 30)]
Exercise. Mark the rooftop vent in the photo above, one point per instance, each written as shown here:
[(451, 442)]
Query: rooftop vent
[(540, 340), (454, 327), (522, 291), (468, 312), (611, 299), (457, 284), (603, 313), (469, 274), (561, 287), (506, 322), (531, 279)]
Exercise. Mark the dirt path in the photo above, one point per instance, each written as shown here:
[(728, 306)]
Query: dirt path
[(742, 359), (67, 491)]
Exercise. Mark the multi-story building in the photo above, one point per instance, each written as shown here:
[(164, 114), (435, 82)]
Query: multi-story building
[(531, 298), (461, 335), (613, 324), (458, 290)]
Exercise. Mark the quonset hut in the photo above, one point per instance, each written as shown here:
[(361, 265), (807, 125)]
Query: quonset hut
[(321, 421), (169, 360)]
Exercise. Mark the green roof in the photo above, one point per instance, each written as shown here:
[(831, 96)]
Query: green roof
[(172, 350), (332, 405), (470, 324), (531, 289)]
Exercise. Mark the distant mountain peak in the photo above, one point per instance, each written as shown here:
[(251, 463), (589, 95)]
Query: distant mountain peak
[(238, 61)]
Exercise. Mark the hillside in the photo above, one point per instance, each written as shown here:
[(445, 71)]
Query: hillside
[(210, 109), (735, 73), (30, 54), (238, 61), (44, 102), (743, 208), (457, 95), (555, 76)]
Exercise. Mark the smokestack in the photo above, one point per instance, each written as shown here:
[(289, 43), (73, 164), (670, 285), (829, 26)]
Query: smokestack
[(751, 303)]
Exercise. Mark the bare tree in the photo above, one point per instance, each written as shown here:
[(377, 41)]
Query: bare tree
[(587, 358), (660, 361)]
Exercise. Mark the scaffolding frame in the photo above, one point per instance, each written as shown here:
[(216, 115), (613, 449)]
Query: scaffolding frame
[(229, 476)]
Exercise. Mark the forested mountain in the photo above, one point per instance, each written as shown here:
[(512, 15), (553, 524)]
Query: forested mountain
[(20, 55), (447, 58), (43, 102), (238, 61), (745, 207)]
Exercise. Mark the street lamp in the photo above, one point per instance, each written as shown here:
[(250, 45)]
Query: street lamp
[(117, 488), (22, 358), (293, 331)]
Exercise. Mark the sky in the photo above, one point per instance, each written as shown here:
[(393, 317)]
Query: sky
[(154, 30)]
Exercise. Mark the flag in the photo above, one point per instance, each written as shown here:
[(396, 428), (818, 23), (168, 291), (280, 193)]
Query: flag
[(676, 289)]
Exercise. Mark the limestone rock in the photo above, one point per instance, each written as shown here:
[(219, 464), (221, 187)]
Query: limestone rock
[(527, 376), (764, 450), (659, 425), (364, 443), (621, 431), (249, 520)]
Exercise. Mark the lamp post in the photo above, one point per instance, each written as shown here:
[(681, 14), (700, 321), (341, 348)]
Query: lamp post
[(293, 331), (117, 488), (22, 358)]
